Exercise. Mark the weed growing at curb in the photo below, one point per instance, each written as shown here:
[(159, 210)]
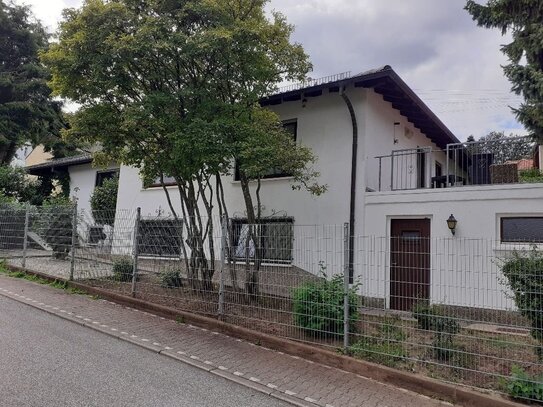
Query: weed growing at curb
[(61, 285)]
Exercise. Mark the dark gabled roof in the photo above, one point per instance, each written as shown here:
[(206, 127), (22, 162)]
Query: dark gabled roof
[(59, 163), (387, 83)]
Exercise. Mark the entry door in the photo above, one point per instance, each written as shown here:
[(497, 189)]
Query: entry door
[(409, 262)]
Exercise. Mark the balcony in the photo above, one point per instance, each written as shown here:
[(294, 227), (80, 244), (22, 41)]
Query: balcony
[(505, 160)]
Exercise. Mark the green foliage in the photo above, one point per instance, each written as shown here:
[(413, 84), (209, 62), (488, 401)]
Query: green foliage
[(104, 201), (318, 306), (386, 348), (171, 279), (175, 90), (123, 268), (27, 111), (525, 387), (524, 274), (433, 318), (17, 186), (56, 223), (502, 147), (533, 175), (525, 69)]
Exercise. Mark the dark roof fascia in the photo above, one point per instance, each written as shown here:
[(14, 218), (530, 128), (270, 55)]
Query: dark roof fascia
[(333, 86), (58, 164), (411, 94), (371, 80)]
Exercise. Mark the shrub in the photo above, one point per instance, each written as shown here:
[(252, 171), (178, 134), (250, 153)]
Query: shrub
[(523, 386), (524, 274), (533, 175), (56, 225), (123, 269), (171, 279), (104, 202), (318, 306), (386, 348), (433, 318)]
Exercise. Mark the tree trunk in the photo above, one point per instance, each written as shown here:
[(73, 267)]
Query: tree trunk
[(251, 273)]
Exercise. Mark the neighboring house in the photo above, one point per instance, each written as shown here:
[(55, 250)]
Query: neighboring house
[(38, 155), (84, 177), (392, 169)]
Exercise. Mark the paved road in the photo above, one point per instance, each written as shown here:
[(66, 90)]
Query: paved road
[(47, 361)]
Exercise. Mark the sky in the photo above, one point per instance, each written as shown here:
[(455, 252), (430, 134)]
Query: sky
[(434, 45)]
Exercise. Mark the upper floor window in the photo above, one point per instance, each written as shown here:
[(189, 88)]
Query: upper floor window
[(168, 182), (291, 126), (522, 229), (101, 176)]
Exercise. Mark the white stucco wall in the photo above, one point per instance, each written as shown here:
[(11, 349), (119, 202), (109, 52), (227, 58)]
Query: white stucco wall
[(464, 269), (82, 182)]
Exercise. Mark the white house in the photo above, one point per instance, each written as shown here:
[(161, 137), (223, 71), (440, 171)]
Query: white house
[(395, 174)]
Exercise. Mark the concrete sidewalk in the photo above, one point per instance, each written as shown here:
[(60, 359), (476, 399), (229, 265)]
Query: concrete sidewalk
[(289, 378)]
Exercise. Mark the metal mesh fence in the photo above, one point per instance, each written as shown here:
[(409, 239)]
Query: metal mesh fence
[(468, 311)]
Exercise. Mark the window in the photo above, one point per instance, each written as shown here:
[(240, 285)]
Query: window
[(160, 237), (277, 236), (291, 126), (522, 229), (101, 176), (168, 181)]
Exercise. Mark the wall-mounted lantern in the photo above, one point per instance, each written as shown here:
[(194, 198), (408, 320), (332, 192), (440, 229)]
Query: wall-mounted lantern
[(451, 223)]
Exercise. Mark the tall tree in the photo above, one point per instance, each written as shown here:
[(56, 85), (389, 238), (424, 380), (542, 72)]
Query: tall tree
[(167, 86), (523, 18), (27, 112)]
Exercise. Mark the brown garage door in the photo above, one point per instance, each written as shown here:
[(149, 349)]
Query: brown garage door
[(409, 262)]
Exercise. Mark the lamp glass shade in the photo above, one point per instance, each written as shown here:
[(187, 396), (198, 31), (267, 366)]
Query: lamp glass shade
[(451, 222)]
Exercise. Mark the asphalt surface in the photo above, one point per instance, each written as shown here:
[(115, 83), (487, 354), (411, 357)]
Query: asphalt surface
[(47, 361)]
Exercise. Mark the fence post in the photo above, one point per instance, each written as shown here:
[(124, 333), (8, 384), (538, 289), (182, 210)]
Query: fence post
[(25, 238), (224, 232), (135, 250), (346, 287), (74, 242)]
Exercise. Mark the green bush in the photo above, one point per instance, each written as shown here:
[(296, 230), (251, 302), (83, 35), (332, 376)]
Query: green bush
[(56, 225), (533, 175), (524, 274), (386, 348), (123, 269), (523, 386), (104, 202), (318, 306), (171, 279), (433, 318)]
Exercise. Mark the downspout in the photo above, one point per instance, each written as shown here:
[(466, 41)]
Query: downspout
[(354, 161)]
